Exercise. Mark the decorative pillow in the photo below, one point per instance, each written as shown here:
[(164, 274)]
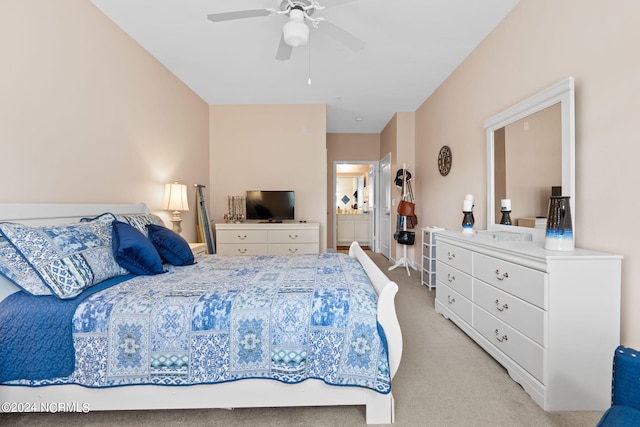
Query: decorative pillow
[(14, 267), (134, 251), (171, 246), (139, 221), (68, 258)]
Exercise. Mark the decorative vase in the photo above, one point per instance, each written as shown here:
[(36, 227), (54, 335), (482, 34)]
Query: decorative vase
[(559, 234), (467, 222)]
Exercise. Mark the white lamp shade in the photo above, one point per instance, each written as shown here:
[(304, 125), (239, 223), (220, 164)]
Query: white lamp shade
[(296, 32), (175, 197)]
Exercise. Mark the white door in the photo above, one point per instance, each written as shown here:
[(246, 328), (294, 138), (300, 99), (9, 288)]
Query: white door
[(385, 205), (372, 187)]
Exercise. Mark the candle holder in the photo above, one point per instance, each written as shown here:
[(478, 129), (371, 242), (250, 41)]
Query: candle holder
[(467, 222), (506, 218)]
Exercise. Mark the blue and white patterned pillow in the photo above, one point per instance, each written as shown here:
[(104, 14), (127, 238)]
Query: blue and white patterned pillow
[(68, 258), (138, 221), (14, 267)]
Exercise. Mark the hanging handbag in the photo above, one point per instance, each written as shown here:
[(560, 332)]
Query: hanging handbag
[(412, 221), (406, 237), (406, 208)]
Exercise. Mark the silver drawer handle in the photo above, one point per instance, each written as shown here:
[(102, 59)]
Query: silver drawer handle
[(501, 338), (450, 300), (242, 237), (451, 278), (451, 255), (242, 250), (502, 307), (293, 251), (293, 237), (501, 276)]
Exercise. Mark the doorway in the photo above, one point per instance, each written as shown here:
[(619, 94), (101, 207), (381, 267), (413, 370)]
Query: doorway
[(353, 205), (356, 204)]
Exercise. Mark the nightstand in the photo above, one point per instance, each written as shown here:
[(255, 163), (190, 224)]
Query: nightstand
[(198, 248)]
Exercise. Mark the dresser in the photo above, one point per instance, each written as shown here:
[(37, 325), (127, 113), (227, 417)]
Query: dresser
[(551, 318), (267, 238)]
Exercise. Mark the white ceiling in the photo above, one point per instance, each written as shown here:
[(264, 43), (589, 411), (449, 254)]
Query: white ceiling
[(411, 47)]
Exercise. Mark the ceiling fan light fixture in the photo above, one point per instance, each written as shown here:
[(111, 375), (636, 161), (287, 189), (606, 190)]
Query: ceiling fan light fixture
[(296, 32)]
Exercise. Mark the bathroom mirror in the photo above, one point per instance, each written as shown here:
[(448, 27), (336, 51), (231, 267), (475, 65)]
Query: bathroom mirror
[(530, 153)]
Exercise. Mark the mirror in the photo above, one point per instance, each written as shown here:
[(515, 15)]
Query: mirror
[(350, 193), (530, 153)]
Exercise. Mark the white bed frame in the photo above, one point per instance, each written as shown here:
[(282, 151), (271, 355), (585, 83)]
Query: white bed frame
[(238, 394)]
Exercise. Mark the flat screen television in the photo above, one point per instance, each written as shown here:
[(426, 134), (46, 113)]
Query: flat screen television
[(270, 205)]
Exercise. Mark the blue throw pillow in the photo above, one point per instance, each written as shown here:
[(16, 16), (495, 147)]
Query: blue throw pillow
[(171, 246), (133, 251)]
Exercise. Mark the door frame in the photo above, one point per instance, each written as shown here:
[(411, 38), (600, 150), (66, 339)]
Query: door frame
[(376, 219), (386, 159)]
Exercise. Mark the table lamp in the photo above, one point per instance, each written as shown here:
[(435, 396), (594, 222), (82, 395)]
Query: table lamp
[(175, 199)]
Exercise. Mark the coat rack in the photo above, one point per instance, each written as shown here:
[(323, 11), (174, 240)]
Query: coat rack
[(407, 195)]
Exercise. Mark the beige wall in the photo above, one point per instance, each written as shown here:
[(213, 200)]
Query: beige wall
[(347, 147), (538, 44), (89, 116), (398, 138), (253, 148)]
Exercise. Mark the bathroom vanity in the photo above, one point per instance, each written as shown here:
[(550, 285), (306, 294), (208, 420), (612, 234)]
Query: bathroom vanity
[(353, 227)]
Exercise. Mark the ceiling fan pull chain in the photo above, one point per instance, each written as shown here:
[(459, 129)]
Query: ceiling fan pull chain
[(309, 64)]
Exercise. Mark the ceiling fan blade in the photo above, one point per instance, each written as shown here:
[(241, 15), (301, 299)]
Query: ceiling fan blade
[(343, 36), (240, 14), (284, 50), (333, 3)]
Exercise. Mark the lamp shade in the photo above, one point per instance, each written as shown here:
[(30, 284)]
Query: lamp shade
[(175, 197), (296, 32)]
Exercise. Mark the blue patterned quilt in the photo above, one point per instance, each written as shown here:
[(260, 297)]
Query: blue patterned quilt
[(287, 318)]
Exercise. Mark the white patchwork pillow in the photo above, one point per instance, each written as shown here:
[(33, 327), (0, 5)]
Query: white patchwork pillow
[(138, 221), (14, 267), (68, 258)]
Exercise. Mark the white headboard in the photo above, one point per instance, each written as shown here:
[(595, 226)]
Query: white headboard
[(52, 214)]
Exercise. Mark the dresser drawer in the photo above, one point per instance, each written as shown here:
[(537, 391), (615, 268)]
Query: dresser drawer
[(241, 236), (300, 248), (525, 317), (242, 249), (455, 302), (455, 279), (454, 256), (293, 236), (516, 346), (523, 282)]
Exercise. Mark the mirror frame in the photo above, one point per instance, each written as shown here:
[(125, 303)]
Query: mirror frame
[(564, 93)]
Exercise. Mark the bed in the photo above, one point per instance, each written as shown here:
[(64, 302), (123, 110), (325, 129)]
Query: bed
[(249, 384)]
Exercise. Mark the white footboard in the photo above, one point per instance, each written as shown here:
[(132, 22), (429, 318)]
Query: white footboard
[(387, 316)]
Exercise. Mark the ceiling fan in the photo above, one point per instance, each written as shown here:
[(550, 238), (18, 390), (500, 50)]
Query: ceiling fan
[(295, 32)]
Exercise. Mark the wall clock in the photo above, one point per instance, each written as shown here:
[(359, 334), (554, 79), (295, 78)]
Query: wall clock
[(444, 160)]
